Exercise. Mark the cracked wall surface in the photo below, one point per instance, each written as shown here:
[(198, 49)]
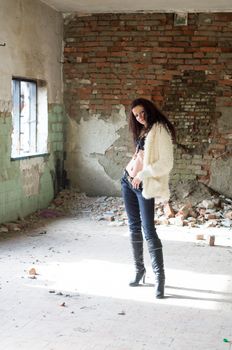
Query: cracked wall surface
[(92, 147)]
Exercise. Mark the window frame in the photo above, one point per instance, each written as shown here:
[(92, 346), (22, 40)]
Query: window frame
[(38, 109)]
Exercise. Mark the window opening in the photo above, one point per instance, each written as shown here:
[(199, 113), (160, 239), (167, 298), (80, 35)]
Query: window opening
[(29, 116)]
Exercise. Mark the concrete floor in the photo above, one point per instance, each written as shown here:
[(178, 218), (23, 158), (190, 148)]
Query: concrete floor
[(80, 299)]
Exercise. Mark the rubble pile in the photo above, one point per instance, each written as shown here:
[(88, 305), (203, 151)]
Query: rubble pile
[(194, 204), (214, 212), (97, 208), (191, 205)]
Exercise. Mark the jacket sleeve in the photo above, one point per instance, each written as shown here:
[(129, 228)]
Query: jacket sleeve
[(163, 165)]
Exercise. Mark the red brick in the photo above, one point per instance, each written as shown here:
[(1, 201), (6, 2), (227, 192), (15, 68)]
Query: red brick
[(184, 71)]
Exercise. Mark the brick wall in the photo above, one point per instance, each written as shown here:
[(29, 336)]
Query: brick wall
[(110, 59)]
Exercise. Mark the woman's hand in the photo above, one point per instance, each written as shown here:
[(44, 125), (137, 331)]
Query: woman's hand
[(136, 182)]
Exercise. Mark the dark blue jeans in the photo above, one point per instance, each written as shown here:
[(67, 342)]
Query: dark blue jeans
[(140, 213)]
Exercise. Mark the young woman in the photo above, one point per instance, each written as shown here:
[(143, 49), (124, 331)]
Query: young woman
[(145, 179)]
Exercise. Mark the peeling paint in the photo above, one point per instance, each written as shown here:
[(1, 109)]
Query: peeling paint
[(225, 120), (96, 135), (221, 172), (89, 144), (5, 106), (31, 171), (221, 166)]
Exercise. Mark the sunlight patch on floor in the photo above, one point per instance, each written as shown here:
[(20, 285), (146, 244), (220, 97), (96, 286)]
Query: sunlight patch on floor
[(106, 279)]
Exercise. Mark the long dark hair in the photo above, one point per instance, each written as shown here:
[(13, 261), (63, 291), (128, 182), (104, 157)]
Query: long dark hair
[(152, 114)]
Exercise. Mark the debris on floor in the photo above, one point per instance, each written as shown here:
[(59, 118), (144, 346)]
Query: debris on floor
[(192, 205), (214, 211), (32, 272), (122, 313)]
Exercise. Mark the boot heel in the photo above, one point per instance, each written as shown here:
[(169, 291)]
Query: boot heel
[(139, 276)]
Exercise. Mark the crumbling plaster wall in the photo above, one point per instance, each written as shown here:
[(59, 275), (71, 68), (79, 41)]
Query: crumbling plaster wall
[(93, 148), (221, 165), (187, 70), (31, 47)]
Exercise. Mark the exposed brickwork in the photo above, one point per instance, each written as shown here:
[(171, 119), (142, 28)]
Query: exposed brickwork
[(114, 58)]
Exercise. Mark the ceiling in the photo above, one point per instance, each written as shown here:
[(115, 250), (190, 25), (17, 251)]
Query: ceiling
[(114, 6)]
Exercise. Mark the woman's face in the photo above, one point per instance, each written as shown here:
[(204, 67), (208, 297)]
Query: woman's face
[(140, 114)]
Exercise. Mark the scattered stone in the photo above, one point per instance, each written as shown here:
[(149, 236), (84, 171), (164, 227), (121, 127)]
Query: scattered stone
[(200, 237), (202, 211), (226, 223), (108, 217), (169, 211), (211, 240), (179, 221), (32, 272), (211, 223), (192, 219), (122, 313), (192, 204), (211, 216), (192, 224), (33, 277), (3, 229), (228, 214), (184, 211), (11, 226), (171, 221), (116, 223), (193, 213)]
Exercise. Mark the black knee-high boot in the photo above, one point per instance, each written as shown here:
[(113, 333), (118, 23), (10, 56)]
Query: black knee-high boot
[(157, 262), (137, 250)]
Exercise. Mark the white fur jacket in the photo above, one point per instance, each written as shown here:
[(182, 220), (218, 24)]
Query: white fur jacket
[(157, 164)]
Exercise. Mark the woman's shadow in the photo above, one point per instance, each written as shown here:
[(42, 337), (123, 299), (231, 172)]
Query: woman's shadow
[(223, 297)]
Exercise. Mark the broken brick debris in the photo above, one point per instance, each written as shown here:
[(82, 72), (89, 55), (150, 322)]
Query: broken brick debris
[(32, 272), (189, 210)]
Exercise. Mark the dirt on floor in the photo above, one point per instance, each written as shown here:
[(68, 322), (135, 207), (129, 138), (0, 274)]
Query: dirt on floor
[(192, 204)]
